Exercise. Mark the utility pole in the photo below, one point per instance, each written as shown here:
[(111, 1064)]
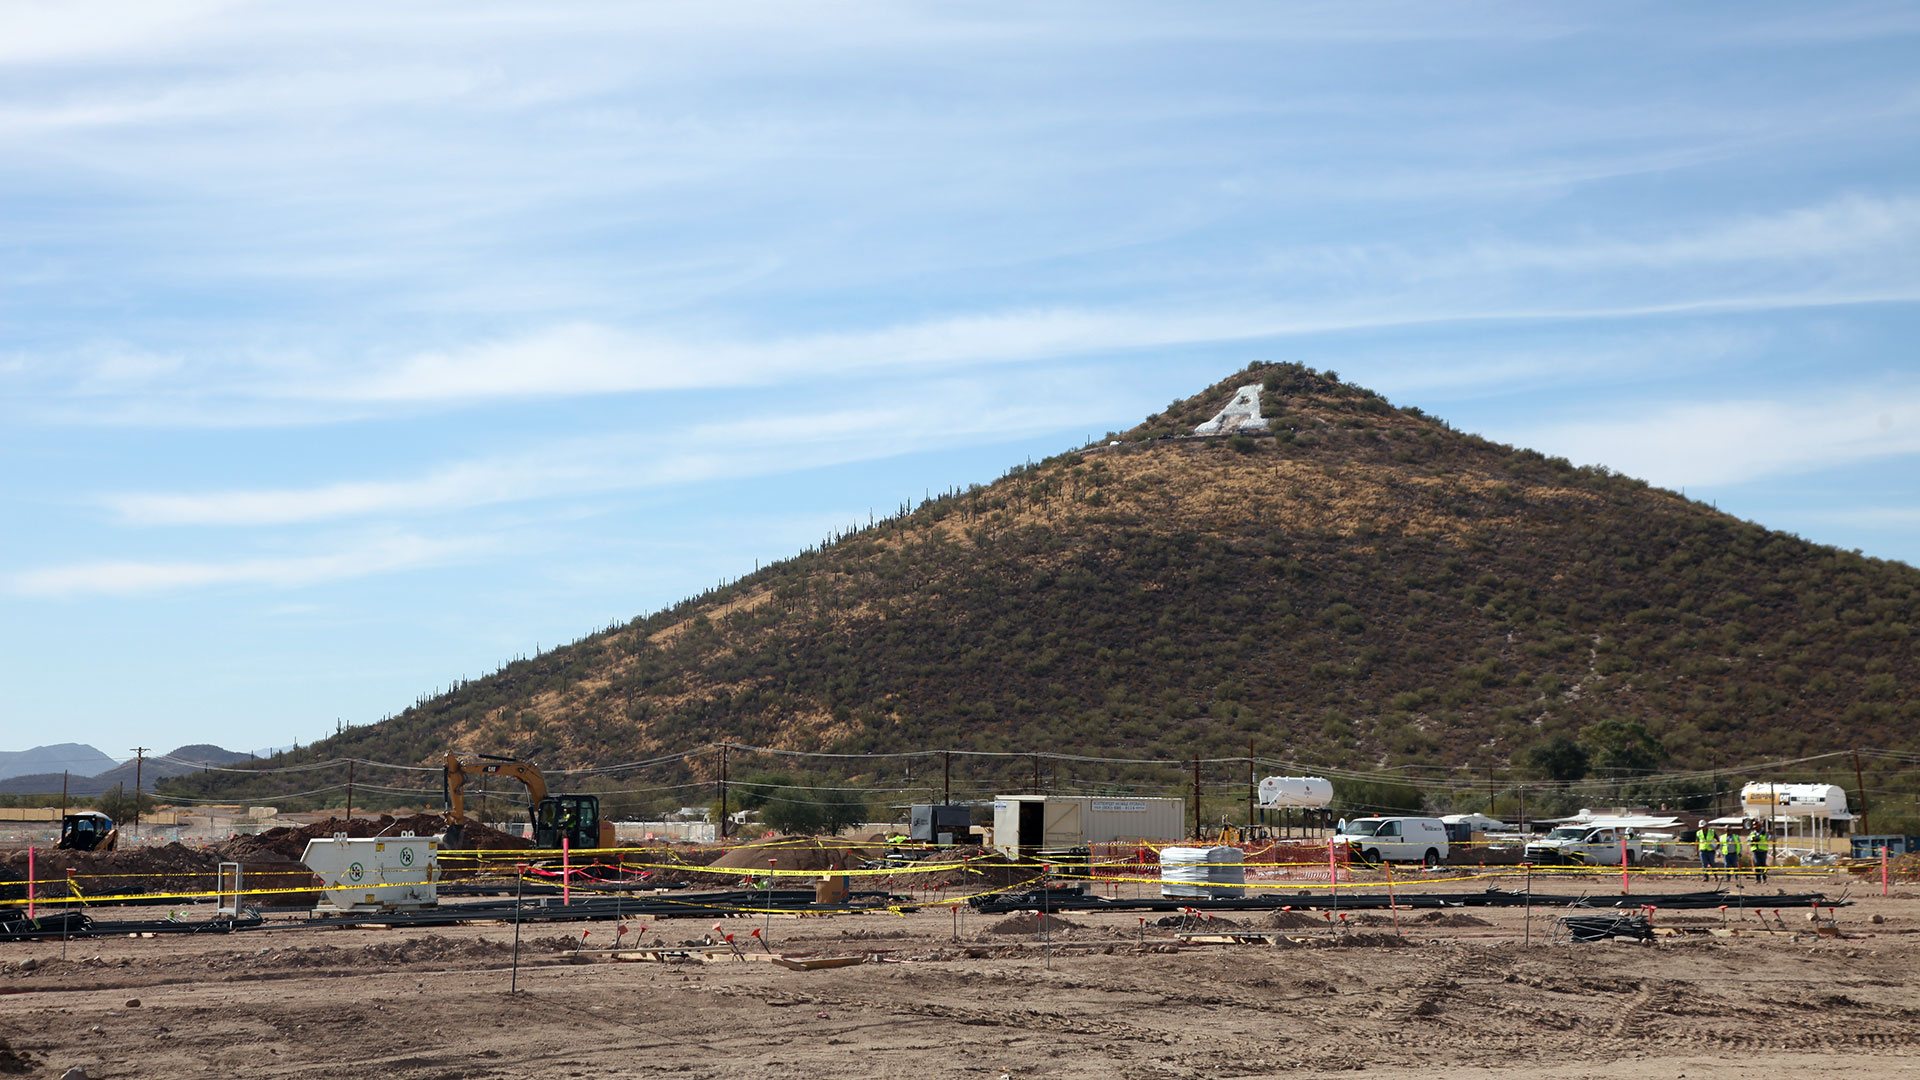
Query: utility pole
[(1250, 785), (349, 789), (1197, 829), (63, 795), (946, 769), (1861, 786), (1036, 774), (723, 791), (139, 761)]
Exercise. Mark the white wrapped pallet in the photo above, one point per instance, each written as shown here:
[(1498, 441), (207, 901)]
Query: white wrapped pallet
[(1208, 872)]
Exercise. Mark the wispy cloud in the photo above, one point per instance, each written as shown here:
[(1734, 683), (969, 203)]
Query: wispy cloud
[(1818, 243), (1853, 250), (914, 418), (1487, 368), (1743, 439), (130, 577)]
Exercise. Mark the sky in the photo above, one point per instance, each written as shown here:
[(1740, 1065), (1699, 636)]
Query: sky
[(348, 350)]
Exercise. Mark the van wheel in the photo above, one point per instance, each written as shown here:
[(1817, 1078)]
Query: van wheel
[(1432, 858), (1371, 857)]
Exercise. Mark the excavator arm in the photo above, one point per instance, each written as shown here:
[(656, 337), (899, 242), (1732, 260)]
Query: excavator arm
[(455, 778)]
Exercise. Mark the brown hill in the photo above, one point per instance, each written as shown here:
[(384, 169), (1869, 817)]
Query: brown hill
[(1360, 586)]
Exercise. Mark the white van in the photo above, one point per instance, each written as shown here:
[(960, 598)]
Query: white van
[(1396, 839)]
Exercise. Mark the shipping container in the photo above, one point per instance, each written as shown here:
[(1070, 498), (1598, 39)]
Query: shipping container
[(1028, 824)]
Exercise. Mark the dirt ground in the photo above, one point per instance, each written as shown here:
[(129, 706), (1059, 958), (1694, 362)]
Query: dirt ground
[(1458, 995)]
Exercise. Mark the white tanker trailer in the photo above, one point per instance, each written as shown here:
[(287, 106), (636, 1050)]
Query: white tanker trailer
[(1311, 792)]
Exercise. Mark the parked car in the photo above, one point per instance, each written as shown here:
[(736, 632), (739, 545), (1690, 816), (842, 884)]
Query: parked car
[(1395, 839)]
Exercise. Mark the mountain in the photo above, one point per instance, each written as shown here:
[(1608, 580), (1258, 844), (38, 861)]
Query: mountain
[(186, 759), (76, 758), (1353, 584)]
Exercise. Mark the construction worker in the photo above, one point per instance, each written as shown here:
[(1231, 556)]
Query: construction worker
[(1709, 847), (1760, 844), (1730, 852)]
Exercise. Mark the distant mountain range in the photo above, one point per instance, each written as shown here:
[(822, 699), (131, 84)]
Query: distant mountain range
[(71, 757), (38, 771)]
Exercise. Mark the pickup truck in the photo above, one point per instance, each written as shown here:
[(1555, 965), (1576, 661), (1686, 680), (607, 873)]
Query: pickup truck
[(1584, 845)]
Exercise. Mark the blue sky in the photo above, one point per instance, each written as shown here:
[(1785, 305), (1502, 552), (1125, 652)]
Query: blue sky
[(349, 350)]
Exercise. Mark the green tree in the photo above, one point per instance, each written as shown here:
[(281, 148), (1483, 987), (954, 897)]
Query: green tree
[(752, 792), (1623, 748), (121, 805), (840, 809), (1358, 798), (792, 810), (1557, 758)]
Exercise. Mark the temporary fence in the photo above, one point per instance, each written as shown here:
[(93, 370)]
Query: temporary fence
[(1274, 868)]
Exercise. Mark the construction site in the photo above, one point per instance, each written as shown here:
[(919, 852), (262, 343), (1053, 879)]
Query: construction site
[(349, 947)]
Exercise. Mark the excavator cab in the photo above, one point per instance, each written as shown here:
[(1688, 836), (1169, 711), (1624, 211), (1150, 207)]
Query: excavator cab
[(88, 830), (573, 818)]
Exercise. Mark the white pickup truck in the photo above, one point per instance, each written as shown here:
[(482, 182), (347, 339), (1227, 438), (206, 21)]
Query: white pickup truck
[(1584, 845)]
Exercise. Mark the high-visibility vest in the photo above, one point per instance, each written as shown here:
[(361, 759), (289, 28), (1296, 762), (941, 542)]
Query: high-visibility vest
[(1762, 842), (1728, 845), (1705, 839)]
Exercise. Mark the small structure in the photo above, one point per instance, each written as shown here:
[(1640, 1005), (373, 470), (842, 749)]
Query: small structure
[(1241, 414), (1029, 824), (375, 873)]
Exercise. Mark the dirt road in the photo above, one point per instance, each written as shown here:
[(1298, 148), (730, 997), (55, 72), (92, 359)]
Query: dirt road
[(1452, 996)]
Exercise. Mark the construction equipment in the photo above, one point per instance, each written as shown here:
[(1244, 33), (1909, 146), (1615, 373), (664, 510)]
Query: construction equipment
[(88, 830), (574, 819)]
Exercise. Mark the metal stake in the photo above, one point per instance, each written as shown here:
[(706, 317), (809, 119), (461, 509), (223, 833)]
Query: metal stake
[(1528, 939), (519, 891), (766, 936), (1046, 924)]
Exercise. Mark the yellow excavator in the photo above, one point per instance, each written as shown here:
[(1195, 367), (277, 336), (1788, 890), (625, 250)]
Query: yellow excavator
[(572, 818)]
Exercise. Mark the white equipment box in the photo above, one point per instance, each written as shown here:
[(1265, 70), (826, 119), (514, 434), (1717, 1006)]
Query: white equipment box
[(375, 873)]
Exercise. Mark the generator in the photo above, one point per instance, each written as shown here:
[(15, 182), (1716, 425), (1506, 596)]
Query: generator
[(941, 824)]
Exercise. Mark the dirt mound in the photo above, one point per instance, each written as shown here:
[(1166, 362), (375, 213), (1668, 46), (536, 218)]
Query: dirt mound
[(799, 853), (1451, 918), (1200, 921), (1899, 868), (435, 948), (287, 843), (1027, 922), (171, 868), (1294, 920)]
